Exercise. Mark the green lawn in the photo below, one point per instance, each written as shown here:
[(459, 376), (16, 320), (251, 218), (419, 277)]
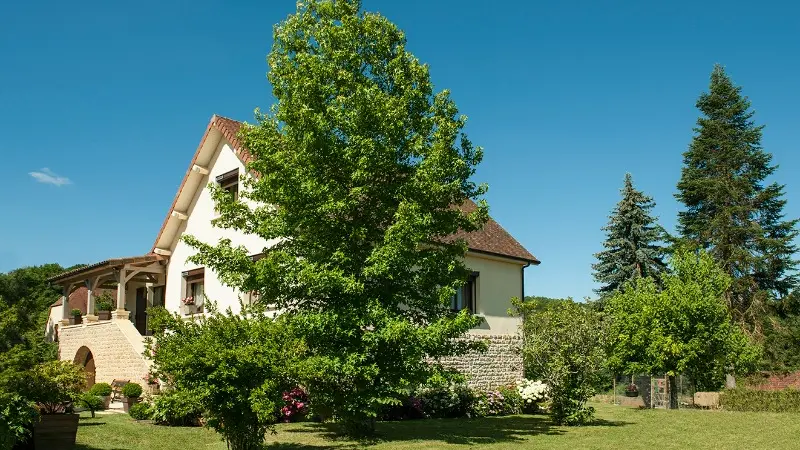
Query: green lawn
[(617, 428)]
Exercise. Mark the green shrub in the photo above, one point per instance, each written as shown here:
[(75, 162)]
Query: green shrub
[(17, 416), (787, 400), (512, 400), (101, 389), (104, 303), (54, 385), (132, 390), (176, 408), (76, 313), (446, 400), (91, 402), (236, 367), (563, 346), (140, 411)]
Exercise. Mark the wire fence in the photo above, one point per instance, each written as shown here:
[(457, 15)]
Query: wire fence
[(649, 391)]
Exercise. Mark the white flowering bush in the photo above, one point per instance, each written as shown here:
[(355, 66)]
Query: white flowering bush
[(532, 393)]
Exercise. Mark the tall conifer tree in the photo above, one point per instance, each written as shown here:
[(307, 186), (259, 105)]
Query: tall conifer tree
[(729, 209), (632, 242)]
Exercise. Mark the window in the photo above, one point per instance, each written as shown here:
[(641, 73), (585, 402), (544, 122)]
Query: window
[(229, 181), (465, 297), (195, 289), (252, 297)]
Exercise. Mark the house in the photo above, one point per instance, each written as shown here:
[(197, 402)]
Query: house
[(163, 277)]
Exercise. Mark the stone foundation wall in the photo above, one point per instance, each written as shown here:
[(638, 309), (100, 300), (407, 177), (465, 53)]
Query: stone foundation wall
[(500, 365), (116, 347)]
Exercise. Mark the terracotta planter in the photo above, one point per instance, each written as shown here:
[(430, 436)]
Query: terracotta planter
[(106, 401), (56, 431), (127, 402), (103, 315), (75, 320)]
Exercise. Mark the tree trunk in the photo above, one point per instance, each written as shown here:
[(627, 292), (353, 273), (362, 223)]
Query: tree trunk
[(673, 392)]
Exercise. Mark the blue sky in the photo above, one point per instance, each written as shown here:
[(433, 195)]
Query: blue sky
[(103, 103)]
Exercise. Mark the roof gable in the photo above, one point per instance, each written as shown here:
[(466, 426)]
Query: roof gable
[(492, 239)]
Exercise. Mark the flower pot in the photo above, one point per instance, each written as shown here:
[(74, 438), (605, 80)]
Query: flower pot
[(103, 315), (189, 309), (106, 401), (153, 388), (56, 431), (631, 393), (127, 402), (75, 320)]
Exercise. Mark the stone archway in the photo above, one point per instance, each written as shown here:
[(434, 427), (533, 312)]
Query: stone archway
[(85, 359)]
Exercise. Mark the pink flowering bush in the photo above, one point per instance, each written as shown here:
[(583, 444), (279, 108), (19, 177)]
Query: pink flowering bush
[(491, 403), (296, 405)]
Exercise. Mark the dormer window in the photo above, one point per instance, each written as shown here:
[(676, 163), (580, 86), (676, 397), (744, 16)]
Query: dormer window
[(229, 181)]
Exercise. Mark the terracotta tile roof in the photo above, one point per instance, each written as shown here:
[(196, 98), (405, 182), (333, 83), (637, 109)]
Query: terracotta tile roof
[(108, 262), (492, 239), (78, 298)]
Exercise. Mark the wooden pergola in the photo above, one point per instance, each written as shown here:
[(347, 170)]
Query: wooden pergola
[(110, 274)]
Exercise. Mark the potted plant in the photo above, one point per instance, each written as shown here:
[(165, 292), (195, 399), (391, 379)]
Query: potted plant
[(130, 395), (152, 383), (75, 317), (54, 386), (631, 390), (103, 307), (102, 390), (189, 306)]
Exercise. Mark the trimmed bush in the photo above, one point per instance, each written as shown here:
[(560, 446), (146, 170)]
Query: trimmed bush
[(132, 390), (101, 389), (140, 411), (91, 402), (787, 400), (446, 401), (176, 408)]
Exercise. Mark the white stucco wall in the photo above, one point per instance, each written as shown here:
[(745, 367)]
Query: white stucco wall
[(499, 279), (498, 282), (199, 225)]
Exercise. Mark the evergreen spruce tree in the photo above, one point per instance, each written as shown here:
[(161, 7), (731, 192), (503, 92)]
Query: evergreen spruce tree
[(632, 242), (729, 209)]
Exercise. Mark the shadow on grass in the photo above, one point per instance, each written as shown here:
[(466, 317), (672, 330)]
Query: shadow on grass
[(490, 430), (89, 447)]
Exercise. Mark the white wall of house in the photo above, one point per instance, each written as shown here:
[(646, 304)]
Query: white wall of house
[(198, 224), (498, 281)]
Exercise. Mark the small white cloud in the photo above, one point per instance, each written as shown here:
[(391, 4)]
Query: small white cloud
[(47, 176)]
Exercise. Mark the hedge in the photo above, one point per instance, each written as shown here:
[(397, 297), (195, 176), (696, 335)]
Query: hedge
[(787, 400)]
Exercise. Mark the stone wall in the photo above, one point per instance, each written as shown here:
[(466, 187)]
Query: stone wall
[(116, 348), (500, 365)]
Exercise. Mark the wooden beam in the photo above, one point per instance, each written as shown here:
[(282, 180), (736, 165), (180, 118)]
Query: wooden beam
[(158, 269), (199, 169), (162, 252), (179, 215)]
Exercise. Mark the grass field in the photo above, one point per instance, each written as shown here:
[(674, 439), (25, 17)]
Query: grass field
[(617, 428)]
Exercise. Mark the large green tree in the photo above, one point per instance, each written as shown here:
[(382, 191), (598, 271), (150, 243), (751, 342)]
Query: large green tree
[(25, 299), (730, 211), (632, 245), (362, 174), (683, 328)]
